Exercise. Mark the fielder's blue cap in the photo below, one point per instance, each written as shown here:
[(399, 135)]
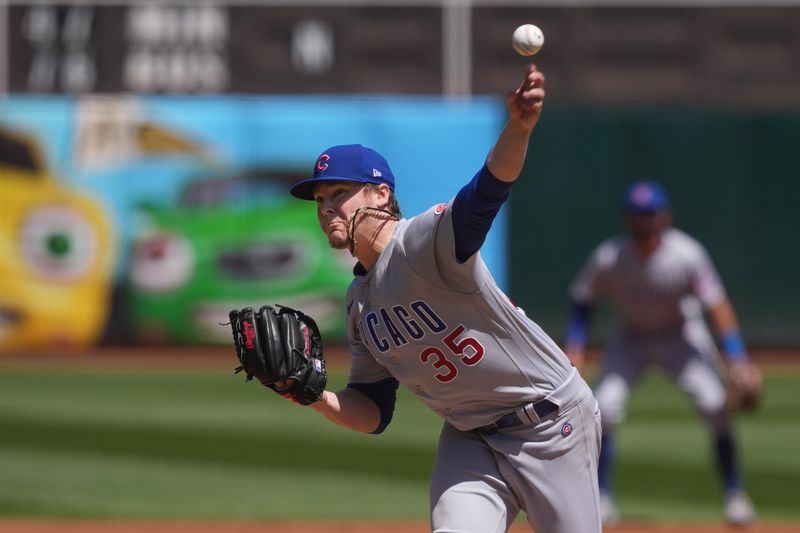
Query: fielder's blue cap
[(645, 197), (346, 162)]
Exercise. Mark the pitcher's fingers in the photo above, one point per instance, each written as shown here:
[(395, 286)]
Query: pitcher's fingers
[(533, 94), (534, 79)]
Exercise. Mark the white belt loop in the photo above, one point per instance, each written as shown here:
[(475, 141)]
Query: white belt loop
[(527, 414)]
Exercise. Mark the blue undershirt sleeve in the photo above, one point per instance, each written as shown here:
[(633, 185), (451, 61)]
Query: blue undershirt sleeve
[(474, 209), (578, 324), (384, 394)]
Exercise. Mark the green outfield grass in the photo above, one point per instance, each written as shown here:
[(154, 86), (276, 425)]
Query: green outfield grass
[(666, 466), (167, 444)]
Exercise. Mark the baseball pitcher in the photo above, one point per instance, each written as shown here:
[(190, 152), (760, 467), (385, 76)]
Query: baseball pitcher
[(521, 428)]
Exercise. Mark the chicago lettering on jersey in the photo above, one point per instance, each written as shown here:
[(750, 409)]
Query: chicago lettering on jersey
[(395, 326)]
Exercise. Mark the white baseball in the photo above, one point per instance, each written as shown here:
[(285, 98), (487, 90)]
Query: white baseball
[(527, 40)]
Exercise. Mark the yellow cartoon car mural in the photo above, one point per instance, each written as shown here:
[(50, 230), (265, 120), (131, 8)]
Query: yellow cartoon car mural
[(55, 255)]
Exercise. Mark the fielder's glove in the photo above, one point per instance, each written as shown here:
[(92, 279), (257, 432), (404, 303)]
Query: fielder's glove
[(745, 386), (282, 348)]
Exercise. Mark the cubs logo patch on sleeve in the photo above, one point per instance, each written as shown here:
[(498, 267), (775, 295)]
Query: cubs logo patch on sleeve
[(439, 209)]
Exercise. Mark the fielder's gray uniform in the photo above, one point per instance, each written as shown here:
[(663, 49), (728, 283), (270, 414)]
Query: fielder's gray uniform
[(659, 301), (447, 333)]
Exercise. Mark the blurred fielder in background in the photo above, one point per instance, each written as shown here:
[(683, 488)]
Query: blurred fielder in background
[(659, 280)]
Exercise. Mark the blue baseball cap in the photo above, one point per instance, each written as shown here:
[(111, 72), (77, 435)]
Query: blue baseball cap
[(346, 162), (645, 197)]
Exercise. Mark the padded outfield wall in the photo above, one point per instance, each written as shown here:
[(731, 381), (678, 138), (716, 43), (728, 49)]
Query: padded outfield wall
[(734, 183), (732, 175), (148, 218)]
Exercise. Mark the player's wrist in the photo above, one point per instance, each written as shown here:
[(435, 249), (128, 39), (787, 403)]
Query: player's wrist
[(733, 345), (521, 125), (325, 403)]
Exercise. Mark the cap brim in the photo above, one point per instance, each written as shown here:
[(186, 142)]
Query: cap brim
[(305, 189), (645, 210)]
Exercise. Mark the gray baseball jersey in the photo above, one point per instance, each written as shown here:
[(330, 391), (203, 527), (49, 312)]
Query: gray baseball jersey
[(448, 333), (652, 294), (659, 301)]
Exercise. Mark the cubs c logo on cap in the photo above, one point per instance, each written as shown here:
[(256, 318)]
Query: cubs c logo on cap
[(642, 194), (321, 162)]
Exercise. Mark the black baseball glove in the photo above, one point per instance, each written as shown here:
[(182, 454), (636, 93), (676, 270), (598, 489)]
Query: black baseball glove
[(282, 348)]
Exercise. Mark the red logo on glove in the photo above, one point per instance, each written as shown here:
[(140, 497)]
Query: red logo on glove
[(249, 335)]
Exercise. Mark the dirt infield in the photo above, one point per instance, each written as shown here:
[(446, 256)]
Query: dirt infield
[(70, 526)]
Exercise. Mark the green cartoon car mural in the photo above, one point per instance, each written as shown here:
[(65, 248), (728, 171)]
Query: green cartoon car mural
[(231, 242)]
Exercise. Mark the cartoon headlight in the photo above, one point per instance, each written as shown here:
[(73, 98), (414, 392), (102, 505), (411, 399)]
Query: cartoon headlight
[(161, 263), (58, 243)]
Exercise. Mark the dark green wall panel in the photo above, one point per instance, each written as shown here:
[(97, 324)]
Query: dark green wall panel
[(734, 183)]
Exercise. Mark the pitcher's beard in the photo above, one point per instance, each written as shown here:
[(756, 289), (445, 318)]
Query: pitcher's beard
[(339, 243), (382, 214)]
